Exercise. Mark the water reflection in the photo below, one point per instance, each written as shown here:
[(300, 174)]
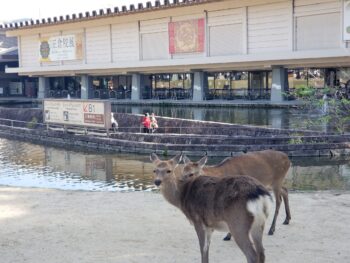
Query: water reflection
[(285, 118), (280, 118), (29, 165)]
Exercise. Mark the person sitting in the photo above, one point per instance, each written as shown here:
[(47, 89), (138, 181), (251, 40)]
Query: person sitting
[(146, 122), (154, 123)]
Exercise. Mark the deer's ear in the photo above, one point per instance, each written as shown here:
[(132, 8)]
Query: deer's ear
[(203, 161), (175, 160), (186, 159), (154, 158)]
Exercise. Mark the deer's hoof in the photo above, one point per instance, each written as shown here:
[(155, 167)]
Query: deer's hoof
[(271, 232), (286, 222)]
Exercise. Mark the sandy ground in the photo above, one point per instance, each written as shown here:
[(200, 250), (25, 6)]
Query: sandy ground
[(39, 225)]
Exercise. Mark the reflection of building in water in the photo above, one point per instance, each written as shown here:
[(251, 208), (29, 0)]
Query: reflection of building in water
[(23, 153), (131, 173), (89, 166)]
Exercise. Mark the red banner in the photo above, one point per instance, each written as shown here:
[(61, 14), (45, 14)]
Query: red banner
[(186, 36)]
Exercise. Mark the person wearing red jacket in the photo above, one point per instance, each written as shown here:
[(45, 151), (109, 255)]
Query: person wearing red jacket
[(146, 122)]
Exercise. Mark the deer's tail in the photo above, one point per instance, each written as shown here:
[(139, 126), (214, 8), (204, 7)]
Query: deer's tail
[(260, 207)]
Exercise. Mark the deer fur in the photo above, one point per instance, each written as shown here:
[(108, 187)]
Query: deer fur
[(235, 203), (269, 167)]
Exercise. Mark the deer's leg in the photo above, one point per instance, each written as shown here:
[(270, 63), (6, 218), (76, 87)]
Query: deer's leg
[(257, 232), (286, 205), (204, 237), (227, 237), (240, 229), (278, 197)]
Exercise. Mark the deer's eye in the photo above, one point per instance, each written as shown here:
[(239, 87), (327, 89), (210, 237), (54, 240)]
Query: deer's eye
[(168, 171), (154, 171), (190, 175)]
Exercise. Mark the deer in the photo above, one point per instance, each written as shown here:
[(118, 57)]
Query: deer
[(239, 204), (269, 167)]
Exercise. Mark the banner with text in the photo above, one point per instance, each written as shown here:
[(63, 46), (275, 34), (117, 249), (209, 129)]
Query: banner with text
[(78, 112), (186, 36), (60, 48)]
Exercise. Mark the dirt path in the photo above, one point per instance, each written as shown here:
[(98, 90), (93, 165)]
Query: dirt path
[(39, 225)]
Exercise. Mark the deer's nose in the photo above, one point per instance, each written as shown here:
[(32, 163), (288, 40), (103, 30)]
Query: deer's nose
[(157, 182)]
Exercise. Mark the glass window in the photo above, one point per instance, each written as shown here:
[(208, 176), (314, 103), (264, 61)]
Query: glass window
[(211, 82), (16, 88), (306, 77), (316, 78), (176, 81), (297, 78), (239, 84), (172, 86), (188, 81), (343, 75)]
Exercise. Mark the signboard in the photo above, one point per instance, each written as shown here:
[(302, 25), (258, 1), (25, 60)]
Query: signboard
[(88, 113), (186, 36), (68, 47), (346, 20)]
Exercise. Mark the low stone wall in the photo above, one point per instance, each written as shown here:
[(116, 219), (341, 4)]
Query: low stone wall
[(21, 115), (132, 123), (176, 135)]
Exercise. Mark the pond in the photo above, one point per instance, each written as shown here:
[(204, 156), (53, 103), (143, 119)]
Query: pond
[(29, 165)]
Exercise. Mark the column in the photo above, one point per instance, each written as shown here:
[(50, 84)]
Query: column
[(198, 86), (279, 83), (135, 87), (86, 87), (44, 87)]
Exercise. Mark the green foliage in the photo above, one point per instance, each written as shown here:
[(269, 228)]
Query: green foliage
[(304, 92), (295, 140), (33, 123), (330, 102)]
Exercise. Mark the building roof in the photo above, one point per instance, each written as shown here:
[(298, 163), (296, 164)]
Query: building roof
[(157, 5)]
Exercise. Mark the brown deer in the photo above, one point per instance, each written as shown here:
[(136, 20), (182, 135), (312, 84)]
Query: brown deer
[(269, 167), (235, 203)]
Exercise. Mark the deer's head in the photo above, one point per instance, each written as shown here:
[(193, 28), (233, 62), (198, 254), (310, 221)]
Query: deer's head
[(193, 169), (164, 170)]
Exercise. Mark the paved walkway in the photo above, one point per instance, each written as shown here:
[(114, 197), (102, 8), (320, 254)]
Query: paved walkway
[(40, 225)]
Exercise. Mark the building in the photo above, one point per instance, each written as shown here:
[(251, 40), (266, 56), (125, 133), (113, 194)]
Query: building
[(12, 85), (195, 50)]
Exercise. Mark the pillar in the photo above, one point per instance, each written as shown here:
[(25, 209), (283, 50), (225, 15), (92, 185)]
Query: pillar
[(86, 87), (279, 84), (44, 87), (198, 86), (136, 87)]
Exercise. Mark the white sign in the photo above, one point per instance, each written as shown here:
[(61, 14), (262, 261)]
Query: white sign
[(346, 20), (68, 47), (89, 113)]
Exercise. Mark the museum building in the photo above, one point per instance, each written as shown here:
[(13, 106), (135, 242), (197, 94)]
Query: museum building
[(192, 50)]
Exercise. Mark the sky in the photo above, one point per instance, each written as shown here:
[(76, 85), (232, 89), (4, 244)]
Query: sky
[(37, 9)]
